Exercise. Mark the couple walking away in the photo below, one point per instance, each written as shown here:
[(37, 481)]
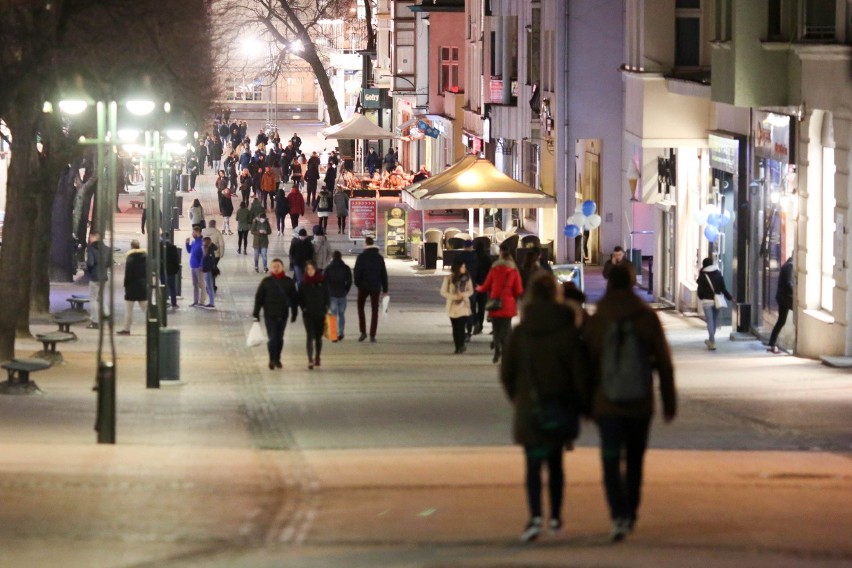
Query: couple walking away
[(552, 377)]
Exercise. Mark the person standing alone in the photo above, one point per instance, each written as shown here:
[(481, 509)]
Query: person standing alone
[(98, 259), (195, 248), (784, 297), (135, 289), (276, 295), (371, 279)]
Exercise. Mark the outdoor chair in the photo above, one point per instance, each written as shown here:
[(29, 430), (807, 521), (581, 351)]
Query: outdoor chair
[(435, 236), (455, 243)]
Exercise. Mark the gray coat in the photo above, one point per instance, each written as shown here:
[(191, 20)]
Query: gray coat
[(341, 203)]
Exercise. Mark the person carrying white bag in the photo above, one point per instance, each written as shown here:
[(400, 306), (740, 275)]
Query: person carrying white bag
[(276, 295), (713, 296)]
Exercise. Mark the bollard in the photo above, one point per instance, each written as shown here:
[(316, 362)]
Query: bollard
[(105, 420), (152, 351), (162, 304)]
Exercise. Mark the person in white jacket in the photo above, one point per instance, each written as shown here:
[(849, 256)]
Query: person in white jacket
[(457, 289)]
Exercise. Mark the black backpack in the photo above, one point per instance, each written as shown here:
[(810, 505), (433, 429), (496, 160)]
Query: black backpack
[(626, 370)]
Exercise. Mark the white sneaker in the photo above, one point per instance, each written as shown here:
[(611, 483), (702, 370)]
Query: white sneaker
[(532, 530), (554, 525), (619, 530)]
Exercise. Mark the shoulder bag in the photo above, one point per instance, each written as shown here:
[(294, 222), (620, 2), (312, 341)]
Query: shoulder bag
[(719, 300)]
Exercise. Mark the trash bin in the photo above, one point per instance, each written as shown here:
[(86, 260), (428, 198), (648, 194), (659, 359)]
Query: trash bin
[(179, 204), (430, 255), (169, 354), (743, 317), (184, 182)]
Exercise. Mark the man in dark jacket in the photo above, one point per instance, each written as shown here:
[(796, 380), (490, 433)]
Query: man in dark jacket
[(301, 251), (169, 268), (784, 297), (624, 425), (338, 277), (135, 288), (616, 259), (390, 160), (276, 295), (372, 161), (371, 278), (98, 264), (468, 257)]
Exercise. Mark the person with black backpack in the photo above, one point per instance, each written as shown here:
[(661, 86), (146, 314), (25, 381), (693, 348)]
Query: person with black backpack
[(626, 344), (324, 205)]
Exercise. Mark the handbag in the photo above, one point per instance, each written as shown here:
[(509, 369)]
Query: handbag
[(719, 300), (256, 335), (496, 303), (330, 327)]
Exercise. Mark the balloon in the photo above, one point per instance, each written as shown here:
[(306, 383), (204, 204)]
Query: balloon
[(571, 231), (589, 208), (724, 218), (711, 232), (714, 219), (700, 217), (576, 219), (592, 222)]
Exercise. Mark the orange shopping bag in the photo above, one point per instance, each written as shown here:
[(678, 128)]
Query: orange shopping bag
[(330, 331)]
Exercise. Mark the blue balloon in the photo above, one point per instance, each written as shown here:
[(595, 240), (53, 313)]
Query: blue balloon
[(589, 208), (711, 232), (725, 218), (714, 219), (571, 231)]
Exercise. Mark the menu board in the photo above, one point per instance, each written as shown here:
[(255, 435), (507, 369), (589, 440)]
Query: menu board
[(415, 226), (396, 227), (363, 218)]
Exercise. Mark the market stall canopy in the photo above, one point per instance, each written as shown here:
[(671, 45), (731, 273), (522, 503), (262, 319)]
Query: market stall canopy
[(473, 183), (356, 127)]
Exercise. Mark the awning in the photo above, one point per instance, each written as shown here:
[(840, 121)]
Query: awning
[(357, 127), (474, 183)]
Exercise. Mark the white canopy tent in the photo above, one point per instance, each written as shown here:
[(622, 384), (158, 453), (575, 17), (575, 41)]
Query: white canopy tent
[(357, 127), (474, 183)]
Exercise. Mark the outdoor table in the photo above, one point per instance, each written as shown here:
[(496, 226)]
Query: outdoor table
[(137, 204), (18, 370), (66, 320), (49, 341), (78, 302)]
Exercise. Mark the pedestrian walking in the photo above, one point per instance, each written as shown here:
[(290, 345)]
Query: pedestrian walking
[(784, 297), (282, 209), (135, 284), (192, 168), (373, 162), (341, 209), (195, 248), (245, 185), (322, 249), (314, 300), (208, 267), (169, 267), (330, 179), (711, 284), (301, 251), (371, 279), (457, 289), (276, 295), (483, 266), (297, 205), (503, 288), (312, 176), (244, 220), (390, 160), (219, 240), (216, 150), (260, 230), (196, 215), (226, 205), (201, 152), (616, 258), (624, 324), (324, 207), (544, 378), (338, 276), (267, 187), (296, 172), (98, 267)]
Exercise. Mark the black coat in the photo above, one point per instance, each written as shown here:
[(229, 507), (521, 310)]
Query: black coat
[(705, 292), (301, 251), (338, 276), (276, 297), (314, 298), (135, 288), (370, 271), (784, 294), (169, 258)]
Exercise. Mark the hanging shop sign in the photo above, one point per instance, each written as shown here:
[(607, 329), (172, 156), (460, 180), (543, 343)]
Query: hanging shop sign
[(375, 98), (395, 231), (363, 217), (724, 154), (772, 136)]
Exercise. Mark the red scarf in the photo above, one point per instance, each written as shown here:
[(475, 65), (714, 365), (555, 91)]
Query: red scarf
[(279, 276)]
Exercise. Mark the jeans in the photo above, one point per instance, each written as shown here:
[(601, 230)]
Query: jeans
[(502, 327), (459, 331), (623, 438), (338, 308), (258, 252), (215, 164), (298, 274), (226, 224), (198, 291), (128, 315), (211, 289), (242, 240), (374, 305), (782, 319), (314, 327), (711, 314), (192, 178), (294, 220), (275, 328), (535, 458), (170, 280)]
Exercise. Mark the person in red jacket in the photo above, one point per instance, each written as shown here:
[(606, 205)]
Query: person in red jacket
[(297, 205), (503, 282)]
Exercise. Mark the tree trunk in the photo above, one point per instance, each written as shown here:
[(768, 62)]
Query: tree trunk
[(63, 265), (371, 31), (40, 283)]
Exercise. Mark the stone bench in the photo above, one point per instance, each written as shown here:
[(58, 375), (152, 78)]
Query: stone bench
[(135, 204), (18, 381), (49, 341)]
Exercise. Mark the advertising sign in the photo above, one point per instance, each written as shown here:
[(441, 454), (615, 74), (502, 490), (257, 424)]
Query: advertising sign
[(772, 136), (363, 218), (415, 226), (375, 98), (396, 237), (724, 154)]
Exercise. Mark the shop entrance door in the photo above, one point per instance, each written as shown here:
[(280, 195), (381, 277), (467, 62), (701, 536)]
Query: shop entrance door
[(589, 187), (668, 246)]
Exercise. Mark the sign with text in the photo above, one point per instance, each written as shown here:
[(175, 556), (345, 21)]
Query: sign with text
[(772, 135), (395, 231), (363, 218), (724, 154), (375, 98)]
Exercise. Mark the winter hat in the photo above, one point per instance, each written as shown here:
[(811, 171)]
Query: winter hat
[(303, 233), (317, 230)]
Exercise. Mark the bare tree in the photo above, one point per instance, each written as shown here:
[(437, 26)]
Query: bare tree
[(44, 42)]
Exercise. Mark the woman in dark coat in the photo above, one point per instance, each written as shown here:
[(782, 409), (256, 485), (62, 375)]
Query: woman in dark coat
[(226, 206), (315, 301), (543, 367), (135, 288)]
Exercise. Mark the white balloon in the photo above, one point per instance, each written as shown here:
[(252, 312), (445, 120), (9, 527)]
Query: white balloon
[(594, 221), (577, 219)]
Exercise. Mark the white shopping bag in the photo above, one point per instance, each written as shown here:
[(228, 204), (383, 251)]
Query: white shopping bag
[(385, 304), (256, 335)]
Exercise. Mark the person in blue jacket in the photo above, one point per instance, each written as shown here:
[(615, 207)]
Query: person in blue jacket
[(195, 248)]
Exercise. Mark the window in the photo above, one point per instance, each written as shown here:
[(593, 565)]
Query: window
[(688, 33), (819, 18), (774, 19), (449, 69)]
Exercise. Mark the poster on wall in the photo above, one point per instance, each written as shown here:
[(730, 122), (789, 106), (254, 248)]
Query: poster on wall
[(772, 136), (415, 226), (363, 218), (396, 237)]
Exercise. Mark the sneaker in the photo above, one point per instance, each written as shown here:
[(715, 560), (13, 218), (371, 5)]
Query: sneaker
[(711, 345), (362, 337), (271, 365), (340, 338), (210, 306), (123, 332), (373, 339), (619, 531), (317, 362), (532, 530), (774, 349), (554, 525)]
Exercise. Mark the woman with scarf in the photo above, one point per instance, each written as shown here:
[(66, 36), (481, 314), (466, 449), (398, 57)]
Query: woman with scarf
[(457, 289)]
